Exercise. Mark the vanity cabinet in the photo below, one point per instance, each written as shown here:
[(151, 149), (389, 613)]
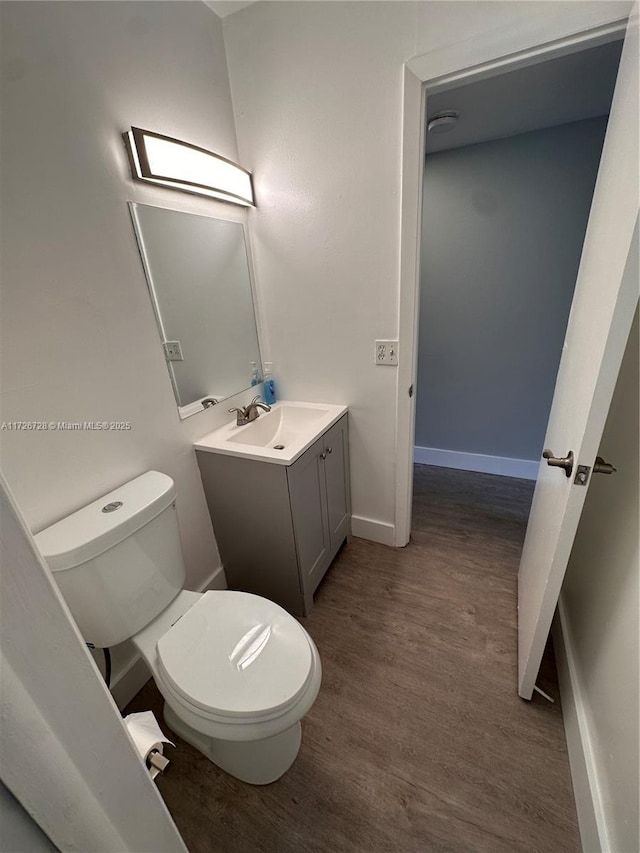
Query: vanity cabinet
[(278, 527)]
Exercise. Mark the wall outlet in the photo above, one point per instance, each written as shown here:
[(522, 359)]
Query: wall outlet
[(173, 351), (386, 352)]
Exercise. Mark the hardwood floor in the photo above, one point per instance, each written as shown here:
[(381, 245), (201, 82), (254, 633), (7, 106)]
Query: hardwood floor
[(418, 741)]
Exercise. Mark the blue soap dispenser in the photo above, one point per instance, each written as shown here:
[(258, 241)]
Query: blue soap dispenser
[(269, 384)]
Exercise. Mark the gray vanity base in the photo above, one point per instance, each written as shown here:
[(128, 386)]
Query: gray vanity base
[(279, 527)]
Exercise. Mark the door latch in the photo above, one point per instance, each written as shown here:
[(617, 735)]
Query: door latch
[(582, 475)]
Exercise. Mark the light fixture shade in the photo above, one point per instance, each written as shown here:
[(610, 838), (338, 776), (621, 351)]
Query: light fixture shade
[(168, 162)]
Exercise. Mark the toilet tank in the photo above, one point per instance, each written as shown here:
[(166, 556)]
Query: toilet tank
[(118, 561)]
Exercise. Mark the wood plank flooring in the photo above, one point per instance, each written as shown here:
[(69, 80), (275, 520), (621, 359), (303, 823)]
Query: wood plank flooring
[(418, 741)]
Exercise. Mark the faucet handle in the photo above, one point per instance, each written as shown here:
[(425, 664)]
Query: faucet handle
[(236, 409)]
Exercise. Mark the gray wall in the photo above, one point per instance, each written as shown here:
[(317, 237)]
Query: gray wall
[(503, 226), (19, 833), (79, 336), (600, 608), (78, 332)]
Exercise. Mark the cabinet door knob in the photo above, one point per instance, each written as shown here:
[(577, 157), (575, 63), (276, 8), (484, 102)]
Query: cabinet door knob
[(329, 449), (323, 456)]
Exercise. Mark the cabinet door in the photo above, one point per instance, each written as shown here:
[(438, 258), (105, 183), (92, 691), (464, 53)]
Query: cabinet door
[(336, 469), (309, 512), (251, 514)]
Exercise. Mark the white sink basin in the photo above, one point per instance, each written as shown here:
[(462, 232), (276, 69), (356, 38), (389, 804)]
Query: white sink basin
[(281, 435), (283, 425)]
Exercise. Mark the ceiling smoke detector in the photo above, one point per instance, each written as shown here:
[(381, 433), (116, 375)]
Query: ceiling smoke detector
[(443, 122)]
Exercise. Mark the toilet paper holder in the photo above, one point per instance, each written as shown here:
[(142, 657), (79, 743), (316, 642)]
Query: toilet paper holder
[(148, 740), (157, 760)]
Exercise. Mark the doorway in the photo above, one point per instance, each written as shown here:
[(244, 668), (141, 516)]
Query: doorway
[(506, 198), (598, 327), (431, 75)]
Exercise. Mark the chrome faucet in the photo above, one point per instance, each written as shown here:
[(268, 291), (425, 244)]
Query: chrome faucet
[(250, 412)]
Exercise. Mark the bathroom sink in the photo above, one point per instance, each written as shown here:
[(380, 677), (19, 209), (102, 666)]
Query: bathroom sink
[(281, 435), (283, 425)]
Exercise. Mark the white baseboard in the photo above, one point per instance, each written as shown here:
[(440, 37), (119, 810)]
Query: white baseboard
[(134, 674), (526, 469), (584, 774), (375, 531)]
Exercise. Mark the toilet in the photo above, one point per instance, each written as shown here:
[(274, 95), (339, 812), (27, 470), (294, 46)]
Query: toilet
[(237, 672)]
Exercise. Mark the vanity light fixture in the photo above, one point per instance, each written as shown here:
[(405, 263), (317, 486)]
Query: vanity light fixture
[(168, 162)]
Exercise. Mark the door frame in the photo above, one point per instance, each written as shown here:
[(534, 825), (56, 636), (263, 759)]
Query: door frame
[(504, 49)]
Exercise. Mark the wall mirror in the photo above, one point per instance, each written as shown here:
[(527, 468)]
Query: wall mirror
[(197, 269)]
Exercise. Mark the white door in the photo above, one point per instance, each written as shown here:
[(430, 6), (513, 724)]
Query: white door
[(601, 314)]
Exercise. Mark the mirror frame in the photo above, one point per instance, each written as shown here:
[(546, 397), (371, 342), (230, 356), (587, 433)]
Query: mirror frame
[(196, 406)]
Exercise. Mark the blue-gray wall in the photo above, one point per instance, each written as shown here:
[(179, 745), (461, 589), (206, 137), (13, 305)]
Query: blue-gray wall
[(503, 227)]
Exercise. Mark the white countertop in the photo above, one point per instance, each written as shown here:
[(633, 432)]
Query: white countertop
[(292, 424)]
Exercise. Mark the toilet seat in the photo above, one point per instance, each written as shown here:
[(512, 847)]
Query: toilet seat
[(236, 657)]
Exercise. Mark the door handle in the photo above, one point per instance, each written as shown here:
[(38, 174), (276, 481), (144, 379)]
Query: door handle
[(565, 462), (602, 467)]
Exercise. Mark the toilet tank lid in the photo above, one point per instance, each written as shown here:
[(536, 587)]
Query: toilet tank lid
[(107, 521)]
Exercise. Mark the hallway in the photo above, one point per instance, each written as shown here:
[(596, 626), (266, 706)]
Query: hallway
[(418, 741)]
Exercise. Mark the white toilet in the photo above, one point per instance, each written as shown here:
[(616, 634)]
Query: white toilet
[(237, 672)]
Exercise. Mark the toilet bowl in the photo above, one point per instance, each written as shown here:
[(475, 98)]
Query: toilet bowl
[(236, 671)]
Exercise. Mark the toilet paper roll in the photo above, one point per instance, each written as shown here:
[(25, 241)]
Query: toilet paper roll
[(147, 736)]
